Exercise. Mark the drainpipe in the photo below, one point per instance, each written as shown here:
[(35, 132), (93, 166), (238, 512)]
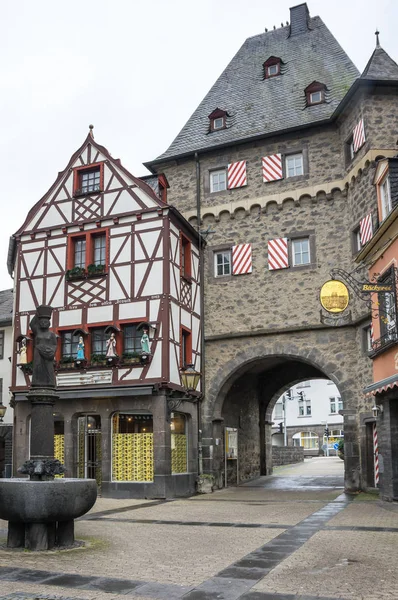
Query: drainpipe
[(202, 309)]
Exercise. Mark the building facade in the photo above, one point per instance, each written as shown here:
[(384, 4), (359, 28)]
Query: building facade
[(276, 167), (380, 255), (6, 308), (306, 410), (120, 267)]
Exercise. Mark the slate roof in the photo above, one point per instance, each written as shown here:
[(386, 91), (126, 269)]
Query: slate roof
[(380, 66), (6, 306), (259, 107)]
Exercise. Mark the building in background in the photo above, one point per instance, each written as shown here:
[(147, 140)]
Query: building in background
[(6, 307), (310, 407), (120, 267)]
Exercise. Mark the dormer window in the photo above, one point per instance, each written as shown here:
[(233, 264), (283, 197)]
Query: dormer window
[(315, 93), (272, 67), (218, 119)]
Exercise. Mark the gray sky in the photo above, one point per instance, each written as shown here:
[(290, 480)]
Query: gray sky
[(136, 70)]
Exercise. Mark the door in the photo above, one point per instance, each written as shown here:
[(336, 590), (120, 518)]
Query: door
[(89, 448)]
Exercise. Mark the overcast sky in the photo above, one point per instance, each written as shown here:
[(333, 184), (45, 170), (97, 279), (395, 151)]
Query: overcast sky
[(136, 70)]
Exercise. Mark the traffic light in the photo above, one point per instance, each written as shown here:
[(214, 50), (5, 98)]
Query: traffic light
[(280, 427), (288, 394), (326, 432), (300, 396)]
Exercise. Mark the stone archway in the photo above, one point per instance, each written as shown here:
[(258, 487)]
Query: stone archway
[(264, 373)]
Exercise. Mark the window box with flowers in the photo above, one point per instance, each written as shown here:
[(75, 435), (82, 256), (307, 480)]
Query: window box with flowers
[(98, 360), (66, 362), (131, 358), (94, 269), (75, 273)]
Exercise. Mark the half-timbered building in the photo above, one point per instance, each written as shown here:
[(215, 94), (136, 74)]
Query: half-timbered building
[(120, 267)]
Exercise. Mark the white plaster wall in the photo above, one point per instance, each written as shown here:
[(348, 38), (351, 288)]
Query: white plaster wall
[(100, 314), (70, 317)]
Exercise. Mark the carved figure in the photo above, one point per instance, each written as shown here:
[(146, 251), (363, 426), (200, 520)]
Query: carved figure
[(80, 349), (111, 347), (145, 341), (45, 345), (23, 358)]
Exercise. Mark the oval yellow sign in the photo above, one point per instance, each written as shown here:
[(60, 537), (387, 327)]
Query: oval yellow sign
[(334, 296)]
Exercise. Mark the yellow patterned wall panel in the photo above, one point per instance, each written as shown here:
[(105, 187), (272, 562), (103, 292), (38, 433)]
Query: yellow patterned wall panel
[(178, 453), (132, 457), (59, 449)]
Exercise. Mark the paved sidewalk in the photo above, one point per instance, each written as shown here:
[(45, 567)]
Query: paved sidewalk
[(293, 535)]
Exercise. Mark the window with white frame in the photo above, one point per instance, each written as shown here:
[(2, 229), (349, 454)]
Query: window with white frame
[(218, 123), (308, 408), (222, 263), (316, 97), (368, 339), (218, 180), (385, 197), (294, 165), (278, 410), (307, 439), (336, 404), (272, 70), (301, 252), (301, 408)]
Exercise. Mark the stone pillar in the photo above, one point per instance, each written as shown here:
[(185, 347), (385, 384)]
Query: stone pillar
[(352, 467), (42, 423), (268, 448), (161, 445), (387, 433), (215, 452)]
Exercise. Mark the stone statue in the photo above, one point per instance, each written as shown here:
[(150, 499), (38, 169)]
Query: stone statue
[(23, 358), (80, 349), (145, 341), (45, 345), (111, 347)]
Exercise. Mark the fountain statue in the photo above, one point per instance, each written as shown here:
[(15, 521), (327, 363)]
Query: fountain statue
[(41, 510)]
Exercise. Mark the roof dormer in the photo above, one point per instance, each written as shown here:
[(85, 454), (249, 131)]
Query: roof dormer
[(272, 67), (218, 119), (315, 93)]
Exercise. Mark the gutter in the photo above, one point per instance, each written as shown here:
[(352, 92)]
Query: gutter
[(12, 246), (202, 312)]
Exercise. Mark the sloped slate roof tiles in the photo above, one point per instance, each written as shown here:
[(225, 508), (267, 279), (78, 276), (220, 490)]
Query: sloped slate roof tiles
[(259, 107)]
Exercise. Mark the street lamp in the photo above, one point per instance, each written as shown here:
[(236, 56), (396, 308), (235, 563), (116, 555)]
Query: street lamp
[(3, 410), (189, 378), (377, 410)]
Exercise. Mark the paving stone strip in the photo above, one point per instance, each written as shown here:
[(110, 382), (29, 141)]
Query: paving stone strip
[(195, 523), (111, 511), (231, 583)]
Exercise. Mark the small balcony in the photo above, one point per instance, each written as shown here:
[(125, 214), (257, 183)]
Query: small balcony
[(386, 341)]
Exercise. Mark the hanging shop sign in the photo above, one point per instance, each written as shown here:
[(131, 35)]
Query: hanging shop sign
[(334, 296)]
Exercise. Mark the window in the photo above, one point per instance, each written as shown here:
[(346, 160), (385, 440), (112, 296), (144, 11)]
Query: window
[(218, 180), (307, 439), (356, 240), (272, 67), (132, 447), (218, 119), (80, 253), (99, 257), (333, 406), (387, 311), (69, 342), (98, 341), (368, 339), (88, 180), (88, 251), (385, 197), (178, 426), (131, 339), (185, 257), (1, 343), (278, 410), (315, 93), (301, 408), (294, 165), (186, 348), (222, 263), (308, 408), (304, 384), (301, 252)]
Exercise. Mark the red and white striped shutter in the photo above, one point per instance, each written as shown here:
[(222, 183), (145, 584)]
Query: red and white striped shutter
[(241, 259), (372, 339), (278, 257), (366, 229), (237, 175), (272, 167), (358, 136), (376, 454)]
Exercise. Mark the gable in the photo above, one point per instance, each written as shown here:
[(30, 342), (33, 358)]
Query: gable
[(74, 199)]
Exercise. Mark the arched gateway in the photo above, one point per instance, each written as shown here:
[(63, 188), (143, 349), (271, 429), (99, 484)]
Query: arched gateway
[(245, 386)]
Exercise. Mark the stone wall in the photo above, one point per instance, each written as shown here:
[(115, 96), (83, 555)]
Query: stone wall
[(6, 447), (287, 455)]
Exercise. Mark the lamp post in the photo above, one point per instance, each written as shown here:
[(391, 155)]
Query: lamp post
[(3, 410)]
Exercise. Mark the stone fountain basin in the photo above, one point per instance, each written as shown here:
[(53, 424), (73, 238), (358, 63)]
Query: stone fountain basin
[(63, 499)]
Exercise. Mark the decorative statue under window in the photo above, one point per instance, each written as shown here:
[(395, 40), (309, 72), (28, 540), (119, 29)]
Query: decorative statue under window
[(80, 349), (23, 358), (45, 345), (145, 341), (111, 346)]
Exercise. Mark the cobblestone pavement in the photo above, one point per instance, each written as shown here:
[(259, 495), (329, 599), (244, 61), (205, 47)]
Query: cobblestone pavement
[(291, 536)]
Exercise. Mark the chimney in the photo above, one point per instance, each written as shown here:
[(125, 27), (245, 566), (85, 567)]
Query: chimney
[(299, 17)]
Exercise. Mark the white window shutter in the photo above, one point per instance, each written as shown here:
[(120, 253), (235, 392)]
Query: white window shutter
[(278, 256), (237, 175), (272, 167), (358, 136), (241, 259)]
